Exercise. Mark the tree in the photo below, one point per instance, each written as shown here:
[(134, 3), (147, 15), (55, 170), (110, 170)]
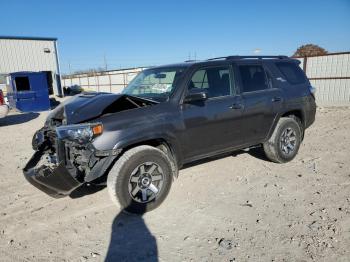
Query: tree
[(310, 50)]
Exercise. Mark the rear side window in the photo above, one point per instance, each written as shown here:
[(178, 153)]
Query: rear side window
[(292, 72), (253, 78)]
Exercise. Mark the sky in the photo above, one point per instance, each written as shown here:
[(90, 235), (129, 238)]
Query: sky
[(122, 34)]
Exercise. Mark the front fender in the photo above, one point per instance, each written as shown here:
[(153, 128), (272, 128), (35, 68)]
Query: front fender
[(146, 138)]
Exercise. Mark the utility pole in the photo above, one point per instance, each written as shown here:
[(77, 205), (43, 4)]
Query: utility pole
[(70, 73), (105, 62), (70, 69)]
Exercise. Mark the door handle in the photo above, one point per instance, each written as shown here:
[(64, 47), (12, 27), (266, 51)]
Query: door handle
[(237, 106), (276, 99)]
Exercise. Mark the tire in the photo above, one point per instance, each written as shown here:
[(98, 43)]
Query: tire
[(131, 178), (277, 149)]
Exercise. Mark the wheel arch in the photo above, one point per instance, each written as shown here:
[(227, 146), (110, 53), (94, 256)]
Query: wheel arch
[(298, 113), (161, 143), (167, 145)]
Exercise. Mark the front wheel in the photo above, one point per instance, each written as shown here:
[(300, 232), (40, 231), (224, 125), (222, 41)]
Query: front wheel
[(141, 179), (285, 141)]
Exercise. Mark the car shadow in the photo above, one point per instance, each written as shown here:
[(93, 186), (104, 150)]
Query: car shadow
[(15, 119), (85, 190), (131, 240), (257, 152)]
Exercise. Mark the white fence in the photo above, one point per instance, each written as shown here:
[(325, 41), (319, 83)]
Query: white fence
[(108, 81), (330, 74)]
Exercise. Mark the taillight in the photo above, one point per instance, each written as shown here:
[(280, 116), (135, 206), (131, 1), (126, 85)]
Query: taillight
[(312, 90), (2, 101)]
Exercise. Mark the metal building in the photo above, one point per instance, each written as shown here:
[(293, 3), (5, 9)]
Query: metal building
[(32, 54)]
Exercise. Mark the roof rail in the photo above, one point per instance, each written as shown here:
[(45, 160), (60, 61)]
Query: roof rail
[(217, 58), (250, 57), (258, 57)]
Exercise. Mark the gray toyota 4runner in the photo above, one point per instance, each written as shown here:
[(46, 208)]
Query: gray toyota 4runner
[(135, 142)]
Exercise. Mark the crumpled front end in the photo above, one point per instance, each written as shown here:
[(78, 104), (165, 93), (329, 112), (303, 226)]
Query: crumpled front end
[(54, 180), (65, 156), (59, 166)]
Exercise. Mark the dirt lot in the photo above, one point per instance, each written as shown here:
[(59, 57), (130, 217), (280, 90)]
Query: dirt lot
[(235, 208)]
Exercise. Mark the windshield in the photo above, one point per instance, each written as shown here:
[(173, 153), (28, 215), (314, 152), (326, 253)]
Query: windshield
[(155, 83)]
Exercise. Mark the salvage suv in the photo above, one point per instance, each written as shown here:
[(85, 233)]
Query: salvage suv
[(135, 142)]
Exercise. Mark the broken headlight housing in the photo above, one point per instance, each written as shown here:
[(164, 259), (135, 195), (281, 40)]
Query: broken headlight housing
[(80, 133)]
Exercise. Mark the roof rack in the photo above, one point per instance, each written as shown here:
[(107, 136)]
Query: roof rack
[(250, 57)]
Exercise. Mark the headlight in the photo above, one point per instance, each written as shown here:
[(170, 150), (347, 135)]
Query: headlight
[(80, 133)]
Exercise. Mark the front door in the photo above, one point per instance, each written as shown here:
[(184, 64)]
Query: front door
[(212, 125)]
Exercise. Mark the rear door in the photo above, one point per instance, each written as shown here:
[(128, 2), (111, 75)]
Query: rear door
[(261, 100)]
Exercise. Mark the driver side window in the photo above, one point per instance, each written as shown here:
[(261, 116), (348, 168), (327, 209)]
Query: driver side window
[(214, 80)]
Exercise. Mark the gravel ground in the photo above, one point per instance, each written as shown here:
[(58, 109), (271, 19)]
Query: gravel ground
[(235, 208)]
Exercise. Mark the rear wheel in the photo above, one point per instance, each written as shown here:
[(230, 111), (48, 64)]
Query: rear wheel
[(285, 141), (141, 179)]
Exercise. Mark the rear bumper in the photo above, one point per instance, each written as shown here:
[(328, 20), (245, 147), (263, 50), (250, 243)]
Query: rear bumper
[(4, 109), (55, 181)]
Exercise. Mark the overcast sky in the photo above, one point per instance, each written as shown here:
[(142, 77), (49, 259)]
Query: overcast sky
[(143, 33)]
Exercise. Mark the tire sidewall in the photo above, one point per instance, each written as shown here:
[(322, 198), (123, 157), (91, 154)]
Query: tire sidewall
[(125, 170), (289, 123)]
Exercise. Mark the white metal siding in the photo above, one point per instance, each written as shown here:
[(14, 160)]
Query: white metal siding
[(328, 66), (332, 91), (28, 55)]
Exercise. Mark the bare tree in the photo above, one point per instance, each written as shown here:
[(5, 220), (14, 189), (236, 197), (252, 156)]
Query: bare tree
[(309, 50)]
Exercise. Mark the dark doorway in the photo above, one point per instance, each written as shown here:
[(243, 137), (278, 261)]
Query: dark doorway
[(49, 81), (22, 83)]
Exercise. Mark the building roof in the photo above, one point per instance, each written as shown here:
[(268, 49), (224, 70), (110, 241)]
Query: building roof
[(29, 38)]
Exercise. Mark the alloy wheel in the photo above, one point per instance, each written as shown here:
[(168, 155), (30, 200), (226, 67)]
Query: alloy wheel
[(146, 181), (288, 141)]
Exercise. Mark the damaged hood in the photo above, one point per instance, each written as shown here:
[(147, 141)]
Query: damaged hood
[(83, 107)]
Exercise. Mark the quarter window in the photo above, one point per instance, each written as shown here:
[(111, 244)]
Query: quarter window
[(253, 78), (215, 80), (291, 72)]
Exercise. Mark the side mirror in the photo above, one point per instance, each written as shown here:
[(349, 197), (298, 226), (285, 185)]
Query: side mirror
[(195, 95)]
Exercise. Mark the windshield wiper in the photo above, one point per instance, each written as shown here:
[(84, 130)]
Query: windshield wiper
[(143, 98)]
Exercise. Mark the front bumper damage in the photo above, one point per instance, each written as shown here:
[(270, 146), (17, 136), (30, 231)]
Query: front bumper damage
[(58, 167), (55, 181)]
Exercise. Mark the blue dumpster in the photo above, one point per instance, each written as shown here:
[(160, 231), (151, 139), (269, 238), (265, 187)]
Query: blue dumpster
[(29, 91)]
